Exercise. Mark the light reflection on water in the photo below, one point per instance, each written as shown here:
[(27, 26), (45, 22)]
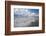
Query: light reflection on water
[(26, 21)]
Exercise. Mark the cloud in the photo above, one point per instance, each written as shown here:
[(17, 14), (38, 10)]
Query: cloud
[(24, 12), (34, 14)]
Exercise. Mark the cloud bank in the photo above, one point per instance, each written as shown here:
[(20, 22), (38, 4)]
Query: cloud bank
[(24, 12)]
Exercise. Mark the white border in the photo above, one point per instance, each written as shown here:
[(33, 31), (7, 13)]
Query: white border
[(26, 28)]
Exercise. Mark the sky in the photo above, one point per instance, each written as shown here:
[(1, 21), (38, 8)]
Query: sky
[(25, 11)]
